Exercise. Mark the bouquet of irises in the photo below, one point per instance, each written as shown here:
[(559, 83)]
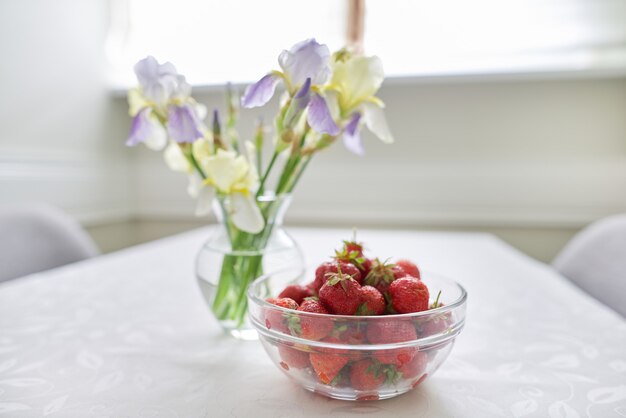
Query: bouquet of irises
[(326, 97)]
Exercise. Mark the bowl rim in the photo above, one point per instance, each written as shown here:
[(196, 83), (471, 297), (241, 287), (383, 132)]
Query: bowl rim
[(437, 311), (424, 343)]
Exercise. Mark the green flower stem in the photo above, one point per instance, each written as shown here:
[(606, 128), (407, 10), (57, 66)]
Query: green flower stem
[(246, 263), (188, 153), (259, 160), (296, 178), (239, 270), (287, 171), (267, 172)]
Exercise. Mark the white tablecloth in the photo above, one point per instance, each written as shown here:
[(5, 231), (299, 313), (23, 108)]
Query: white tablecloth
[(128, 335)]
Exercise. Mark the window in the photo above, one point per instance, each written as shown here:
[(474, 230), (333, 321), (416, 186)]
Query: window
[(215, 41), (435, 37)]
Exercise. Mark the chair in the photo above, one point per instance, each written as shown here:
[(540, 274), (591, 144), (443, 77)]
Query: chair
[(595, 260), (37, 238)]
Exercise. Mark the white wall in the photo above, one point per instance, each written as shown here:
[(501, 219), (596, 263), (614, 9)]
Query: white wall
[(59, 137), (529, 160), (534, 153)]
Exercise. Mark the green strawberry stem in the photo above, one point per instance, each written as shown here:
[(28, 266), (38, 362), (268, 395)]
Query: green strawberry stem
[(436, 304)]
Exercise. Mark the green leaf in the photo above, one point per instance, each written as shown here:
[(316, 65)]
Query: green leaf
[(362, 310), (293, 323), (337, 379), (392, 375)]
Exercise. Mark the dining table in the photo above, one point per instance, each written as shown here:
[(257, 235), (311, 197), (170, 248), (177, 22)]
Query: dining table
[(128, 334)]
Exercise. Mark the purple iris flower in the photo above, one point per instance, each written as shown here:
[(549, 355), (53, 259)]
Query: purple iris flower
[(140, 129), (352, 137), (305, 60), (148, 130), (183, 124), (261, 92), (319, 116), (299, 102), (160, 82)]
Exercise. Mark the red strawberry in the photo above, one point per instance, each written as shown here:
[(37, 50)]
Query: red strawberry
[(352, 334), (341, 294), (398, 272), (275, 319), (352, 252), (435, 324), (349, 333), (366, 267), (372, 302), (296, 292), (415, 367), (286, 303), (409, 267), (311, 327), (325, 270), (396, 356), (382, 274), (366, 375), (293, 357), (328, 362), (408, 294), (353, 247), (390, 331)]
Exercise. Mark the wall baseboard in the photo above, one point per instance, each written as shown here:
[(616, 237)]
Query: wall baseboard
[(566, 194), (563, 194)]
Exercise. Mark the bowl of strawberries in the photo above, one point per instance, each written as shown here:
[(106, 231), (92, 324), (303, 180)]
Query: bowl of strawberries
[(362, 328)]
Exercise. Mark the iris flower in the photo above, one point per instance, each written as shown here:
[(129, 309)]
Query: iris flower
[(351, 96), (226, 173), (162, 107), (305, 69)]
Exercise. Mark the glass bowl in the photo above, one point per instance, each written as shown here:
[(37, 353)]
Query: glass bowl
[(357, 357)]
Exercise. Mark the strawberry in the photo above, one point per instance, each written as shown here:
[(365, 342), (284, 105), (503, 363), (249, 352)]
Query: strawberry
[(325, 270), (320, 275), (311, 327), (352, 252), (409, 267), (328, 362), (435, 323), (327, 366), (396, 356), (296, 292), (408, 294), (349, 333), (415, 367), (286, 303), (372, 302), (341, 294), (382, 274), (366, 375), (275, 319), (390, 331), (292, 357)]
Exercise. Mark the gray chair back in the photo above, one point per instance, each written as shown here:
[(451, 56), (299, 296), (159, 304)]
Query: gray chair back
[(39, 237), (595, 260)]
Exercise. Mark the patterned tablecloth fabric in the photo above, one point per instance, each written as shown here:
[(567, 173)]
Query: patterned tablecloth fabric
[(128, 335)]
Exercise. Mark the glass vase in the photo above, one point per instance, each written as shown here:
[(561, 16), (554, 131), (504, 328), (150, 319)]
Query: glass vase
[(231, 259)]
